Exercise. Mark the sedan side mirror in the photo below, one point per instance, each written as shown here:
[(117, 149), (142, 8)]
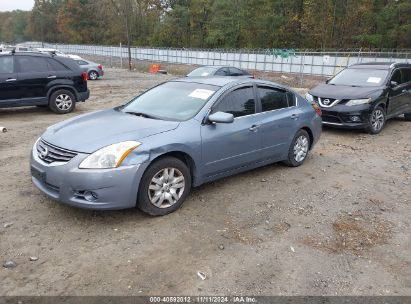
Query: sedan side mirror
[(221, 117), (393, 84)]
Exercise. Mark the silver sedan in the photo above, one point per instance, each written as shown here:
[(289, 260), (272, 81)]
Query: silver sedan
[(93, 70), (180, 134)]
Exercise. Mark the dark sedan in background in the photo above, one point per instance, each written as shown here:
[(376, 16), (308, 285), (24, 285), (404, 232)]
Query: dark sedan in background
[(364, 96), (216, 70)]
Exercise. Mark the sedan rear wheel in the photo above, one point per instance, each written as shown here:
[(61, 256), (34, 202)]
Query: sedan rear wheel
[(301, 148), (164, 186), (298, 150), (92, 75)]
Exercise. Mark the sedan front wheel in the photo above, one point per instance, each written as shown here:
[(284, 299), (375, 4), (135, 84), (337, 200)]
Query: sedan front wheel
[(164, 186)]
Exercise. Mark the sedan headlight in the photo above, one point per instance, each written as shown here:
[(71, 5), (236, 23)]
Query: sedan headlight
[(110, 156), (356, 102), (309, 97)]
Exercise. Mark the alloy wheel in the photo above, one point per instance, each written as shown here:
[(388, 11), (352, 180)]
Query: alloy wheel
[(166, 187), (93, 75), (377, 119), (64, 102), (301, 148)]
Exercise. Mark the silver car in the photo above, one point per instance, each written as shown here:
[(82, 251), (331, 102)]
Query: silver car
[(218, 70), (93, 70), (180, 134)]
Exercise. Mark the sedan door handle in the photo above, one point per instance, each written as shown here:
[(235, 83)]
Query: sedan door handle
[(254, 128), (51, 77), (11, 79), (294, 116)]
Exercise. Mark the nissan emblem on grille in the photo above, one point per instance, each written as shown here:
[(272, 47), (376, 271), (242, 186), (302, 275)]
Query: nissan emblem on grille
[(53, 154), (326, 101), (43, 152)]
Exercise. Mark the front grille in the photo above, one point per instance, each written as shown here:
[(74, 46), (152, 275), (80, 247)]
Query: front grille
[(50, 153), (326, 102)]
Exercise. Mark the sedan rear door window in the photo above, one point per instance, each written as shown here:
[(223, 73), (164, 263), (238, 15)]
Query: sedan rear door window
[(240, 102), (222, 72), (272, 99), (236, 72), (81, 62)]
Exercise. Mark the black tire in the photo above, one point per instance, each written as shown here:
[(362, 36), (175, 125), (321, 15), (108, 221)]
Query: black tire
[(92, 75), (374, 127), (144, 202), (407, 116), (292, 159), (62, 102)]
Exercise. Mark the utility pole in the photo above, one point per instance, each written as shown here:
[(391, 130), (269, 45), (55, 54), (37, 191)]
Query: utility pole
[(333, 28), (126, 10), (123, 10)]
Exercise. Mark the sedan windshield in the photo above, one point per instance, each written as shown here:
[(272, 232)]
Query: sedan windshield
[(360, 77), (203, 71), (171, 101)]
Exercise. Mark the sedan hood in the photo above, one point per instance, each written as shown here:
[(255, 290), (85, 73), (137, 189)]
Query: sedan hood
[(343, 92), (90, 132)]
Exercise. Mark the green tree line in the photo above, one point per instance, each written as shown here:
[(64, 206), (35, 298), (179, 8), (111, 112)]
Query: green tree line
[(310, 24)]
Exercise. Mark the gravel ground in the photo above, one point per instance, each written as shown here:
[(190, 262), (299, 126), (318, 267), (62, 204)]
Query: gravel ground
[(338, 225)]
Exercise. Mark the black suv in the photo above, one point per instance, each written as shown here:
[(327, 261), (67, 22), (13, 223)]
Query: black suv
[(365, 95), (35, 79)]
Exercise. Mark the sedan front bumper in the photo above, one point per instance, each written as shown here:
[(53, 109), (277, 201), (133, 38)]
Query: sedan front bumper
[(104, 189)]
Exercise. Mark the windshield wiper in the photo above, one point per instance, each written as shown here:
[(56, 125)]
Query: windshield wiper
[(141, 114)]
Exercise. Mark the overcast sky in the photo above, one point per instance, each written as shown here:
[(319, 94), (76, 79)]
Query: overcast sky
[(9, 5)]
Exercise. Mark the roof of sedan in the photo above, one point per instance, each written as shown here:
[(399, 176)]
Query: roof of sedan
[(225, 80), (215, 66), (222, 80)]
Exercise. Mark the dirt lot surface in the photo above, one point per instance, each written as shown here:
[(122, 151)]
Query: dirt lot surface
[(338, 225)]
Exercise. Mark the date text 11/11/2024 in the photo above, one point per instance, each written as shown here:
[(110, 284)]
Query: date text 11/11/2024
[(203, 299)]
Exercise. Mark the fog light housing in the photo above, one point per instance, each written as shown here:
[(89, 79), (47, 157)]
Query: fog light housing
[(90, 196), (355, 118)]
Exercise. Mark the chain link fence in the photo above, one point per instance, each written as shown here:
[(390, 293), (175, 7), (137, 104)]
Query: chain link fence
[(303, 62)]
